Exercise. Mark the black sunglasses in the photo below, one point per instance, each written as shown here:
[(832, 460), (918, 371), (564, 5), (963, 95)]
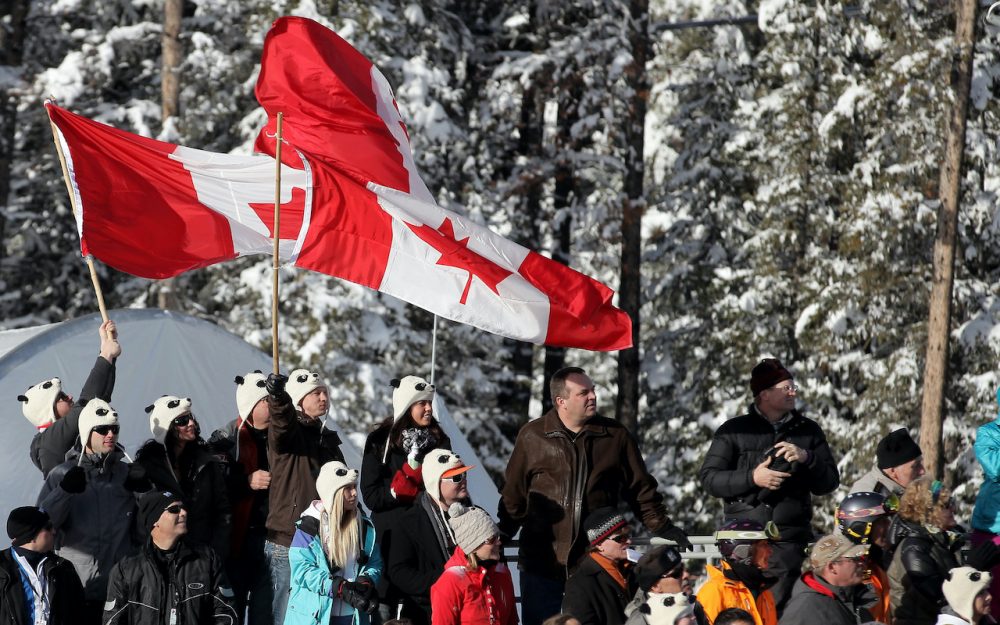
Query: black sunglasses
[(174, 508), (182, 420), (458, 479), (621, 539), (104, 429)]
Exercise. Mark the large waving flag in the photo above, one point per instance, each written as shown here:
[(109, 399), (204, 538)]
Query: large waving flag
[(376, 223), (352, 204)]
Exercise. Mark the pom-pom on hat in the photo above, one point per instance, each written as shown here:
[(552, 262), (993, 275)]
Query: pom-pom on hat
[(95, 412), (152, 505), (472, 526), (407, 392), (602, 523), (654, 564), (439, 464), (301, 382), (766, 374), (666, 608), (163, 411), (24, 523), (38, 402), (961, 587), (896, 448), (250, 389), (333, 476), (832, 547)]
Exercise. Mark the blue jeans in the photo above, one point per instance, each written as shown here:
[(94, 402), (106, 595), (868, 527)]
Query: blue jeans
[(541, 598), (281, 579)]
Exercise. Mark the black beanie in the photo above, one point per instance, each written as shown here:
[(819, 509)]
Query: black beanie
[(896, 448), (24, 523), (152, 505), (766, 374), (654, 564)]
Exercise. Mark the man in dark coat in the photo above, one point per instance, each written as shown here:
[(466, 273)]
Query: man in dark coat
[(423, 541), (36, 585), (52, 411), (298, 444), (171, 582), (767, 464), (600, 588), (566, 464), (833, 592)]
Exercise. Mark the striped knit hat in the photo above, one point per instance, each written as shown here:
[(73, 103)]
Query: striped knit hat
[(602, 523)]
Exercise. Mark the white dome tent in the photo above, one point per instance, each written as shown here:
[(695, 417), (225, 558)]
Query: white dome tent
[(163, 353)]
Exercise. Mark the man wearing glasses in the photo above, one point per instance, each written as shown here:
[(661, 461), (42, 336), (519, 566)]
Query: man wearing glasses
[(833, 592), (52, 411), (91, 506), (601, 586), (767, 464), (899, 461), (170, 581), (423, 540)]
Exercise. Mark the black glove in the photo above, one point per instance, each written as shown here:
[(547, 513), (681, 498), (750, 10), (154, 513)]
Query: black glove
[(75, 480), (676, 534), (136, 481), (275, 384), (983, 557), (360, 594)]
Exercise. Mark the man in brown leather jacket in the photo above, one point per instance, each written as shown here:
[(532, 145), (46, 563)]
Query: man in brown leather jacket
[(566, 464)]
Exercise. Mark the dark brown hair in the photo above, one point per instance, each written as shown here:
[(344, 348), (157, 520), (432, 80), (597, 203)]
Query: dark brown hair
[(557, 385)]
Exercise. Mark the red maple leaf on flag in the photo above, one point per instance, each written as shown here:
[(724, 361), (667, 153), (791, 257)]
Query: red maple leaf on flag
[(292, 213), (455, 253)]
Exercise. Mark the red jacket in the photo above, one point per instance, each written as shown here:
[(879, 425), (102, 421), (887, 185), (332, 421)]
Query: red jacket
[(464, 597)]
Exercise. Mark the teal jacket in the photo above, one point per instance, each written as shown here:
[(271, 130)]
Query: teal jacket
[(986, 515), (311, 600)]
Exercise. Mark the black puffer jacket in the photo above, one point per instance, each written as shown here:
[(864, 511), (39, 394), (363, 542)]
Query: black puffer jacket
[(49, 447), (145, 588), (919, 566), (594, 597), (64, 590), (200, 481), (740, 445)]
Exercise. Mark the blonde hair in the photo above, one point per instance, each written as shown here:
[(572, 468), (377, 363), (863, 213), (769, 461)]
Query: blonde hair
[(918, 503), (343, 541)]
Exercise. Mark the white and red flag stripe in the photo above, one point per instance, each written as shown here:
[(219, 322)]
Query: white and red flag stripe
[(340, 114), (352, 204)]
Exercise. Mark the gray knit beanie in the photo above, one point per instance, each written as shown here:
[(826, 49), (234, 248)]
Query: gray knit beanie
[(472, 526)]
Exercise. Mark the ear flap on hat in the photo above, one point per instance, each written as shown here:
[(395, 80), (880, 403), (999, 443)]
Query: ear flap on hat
[(22, 398), (149, 408), (238, 379)]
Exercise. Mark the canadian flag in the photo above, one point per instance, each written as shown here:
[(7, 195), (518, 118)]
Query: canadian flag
[(352, 204)]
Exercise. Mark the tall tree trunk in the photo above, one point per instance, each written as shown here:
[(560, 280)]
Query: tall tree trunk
[(939, 324), (172, 53), (12, 55), (629, 294)]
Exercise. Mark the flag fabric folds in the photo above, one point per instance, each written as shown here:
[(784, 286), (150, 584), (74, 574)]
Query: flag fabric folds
[(353, 204)]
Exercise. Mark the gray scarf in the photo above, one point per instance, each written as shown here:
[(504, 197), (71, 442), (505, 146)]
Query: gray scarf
[(445, 540)]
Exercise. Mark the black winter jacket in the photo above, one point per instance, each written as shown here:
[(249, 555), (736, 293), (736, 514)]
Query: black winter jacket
[(64, 590), (740, 445), (49, 447), (594, 597), (195, 586), (416, 561), (200, 481), (375, 483), (919, 566)]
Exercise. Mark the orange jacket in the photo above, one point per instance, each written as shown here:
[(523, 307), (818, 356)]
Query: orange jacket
[(881, 611), (720, 592)]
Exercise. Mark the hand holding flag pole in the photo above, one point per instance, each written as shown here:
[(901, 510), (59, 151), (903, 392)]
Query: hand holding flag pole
[(277, 223), (76, 215)]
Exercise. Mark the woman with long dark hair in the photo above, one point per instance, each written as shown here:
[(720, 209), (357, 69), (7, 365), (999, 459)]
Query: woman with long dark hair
[(179, 461), (391, 468), (334, 558)]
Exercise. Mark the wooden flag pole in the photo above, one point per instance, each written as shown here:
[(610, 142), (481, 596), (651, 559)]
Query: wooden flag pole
[(72, 203), (277, 223)]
